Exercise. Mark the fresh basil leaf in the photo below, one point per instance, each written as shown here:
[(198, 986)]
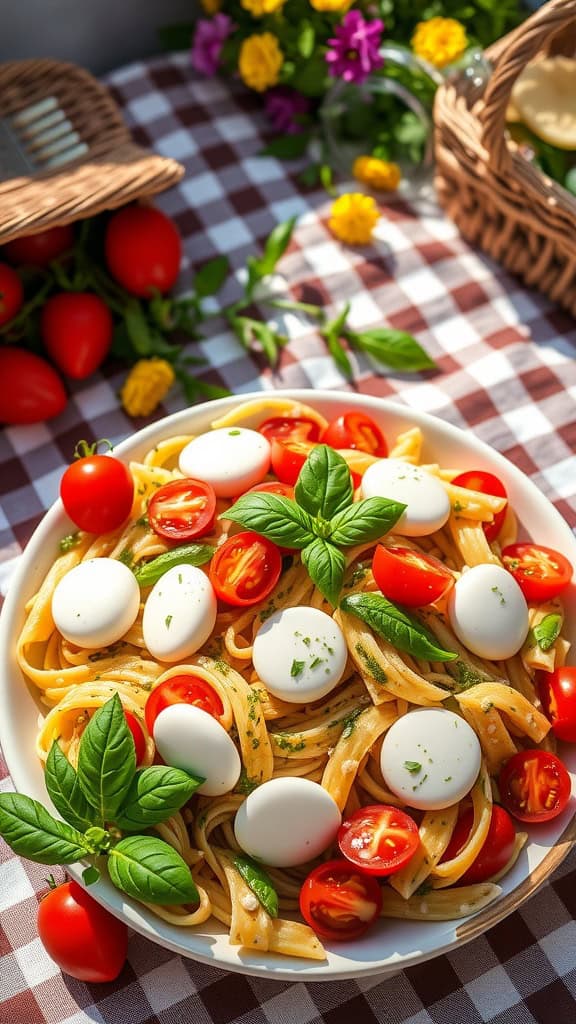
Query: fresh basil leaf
[(189, 554), (65, 792), (32, 832), (149, 869), (326, 566), (259, 882), (287, 147), (275, 517), (107, 760), (276, 244), (396, 349), (365, 521), (211, 277), (324, 486), (90, 875), (338, 352), (306, 38), (396, 626), (547, 632), (155, 794)]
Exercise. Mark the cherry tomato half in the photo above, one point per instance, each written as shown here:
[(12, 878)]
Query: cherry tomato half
[(339, 902), (379, 839), (245, 569), (288, 457), (40, 249), (31, 389), (534, 786), (495, 852), (137, 735), (11, 294), (541, 573), (409, 577), (76, 329), (182, 509), (83, 938), (558, 695), (97, 492), (356, 430), (272, 487), (486, 483), (295, 428), (143, 250), (183, 689)]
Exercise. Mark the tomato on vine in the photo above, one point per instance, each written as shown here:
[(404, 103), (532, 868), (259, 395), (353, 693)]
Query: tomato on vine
[(11, 294), (77, 331), (143, 250), (31, 389)]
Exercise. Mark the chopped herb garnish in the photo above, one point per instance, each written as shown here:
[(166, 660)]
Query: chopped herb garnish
[(373, 667), (297, 668), (168, 620), (413, 767), (447, 779), (316, 661), (498, 592), (350, 722), (423, 889), (234, 433), (69, 541)]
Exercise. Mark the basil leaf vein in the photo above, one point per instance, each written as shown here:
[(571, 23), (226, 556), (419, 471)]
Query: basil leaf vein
[(365, 521), (189, 554), (396, 626), (326, 566), (149, 869), (107, 759), (324, 486), (260, 883), (65, 792), (155, 794), (275, 517), (32, 832)]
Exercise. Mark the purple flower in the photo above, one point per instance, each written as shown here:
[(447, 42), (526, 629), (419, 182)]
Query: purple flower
[(282, 106), (354, 52), (209, 37)]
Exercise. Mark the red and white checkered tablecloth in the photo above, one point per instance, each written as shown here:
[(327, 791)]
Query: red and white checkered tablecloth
[(506, 370)]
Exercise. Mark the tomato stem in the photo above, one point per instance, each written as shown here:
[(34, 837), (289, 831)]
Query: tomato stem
[(84, 449)]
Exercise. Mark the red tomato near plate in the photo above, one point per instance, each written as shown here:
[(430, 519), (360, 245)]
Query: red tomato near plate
[(558, 695), (245, 569), (31, 389), (495, 852), (11, 294), (182, 689), (137, 735), (541, 573), (534, 786), (97, 493), (143, 250), (287, 458), (84, 939), (295, 428), (356, 430), (340, 902), (40, 249), (272, 487), (409, 577), (486, 483), (379, 839), (77, 331), (182, 509)]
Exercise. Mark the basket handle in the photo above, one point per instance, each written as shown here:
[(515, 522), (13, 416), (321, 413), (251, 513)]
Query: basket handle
[(521, 46)]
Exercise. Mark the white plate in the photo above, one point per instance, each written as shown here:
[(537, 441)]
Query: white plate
[(393, 944)]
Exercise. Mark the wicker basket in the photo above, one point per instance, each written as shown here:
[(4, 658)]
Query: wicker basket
[(497, 198), (113, 172)]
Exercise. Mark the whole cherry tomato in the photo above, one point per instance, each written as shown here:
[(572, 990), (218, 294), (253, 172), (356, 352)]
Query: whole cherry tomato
[(558, 695), (143, 250), (83, 938), (11, 294), (31, 391), (410, 577), (495, 852), (137, 735), (486, 483), (97, 491), (182, 509), (182, 689), (541, 573), (379, 839), (293, 428), (77, 330), (340, 902), (40, 249), (245, 569), (356, 430), (534, 786)]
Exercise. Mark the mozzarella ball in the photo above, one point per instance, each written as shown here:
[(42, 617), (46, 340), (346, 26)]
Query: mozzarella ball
[(426, 500), (488, 612), (287, 821), (96, 603), (232, 459), (179, 613), (300, 654), (191, 739)]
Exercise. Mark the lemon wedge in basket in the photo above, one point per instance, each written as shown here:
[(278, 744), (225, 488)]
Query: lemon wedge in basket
[(544, 97)]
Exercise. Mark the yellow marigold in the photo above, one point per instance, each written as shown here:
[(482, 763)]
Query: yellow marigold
[(353, 217), (258, 8), (439, 41), (377, 174), (211, 6), (260, 61), (333, 6), (146, 385)]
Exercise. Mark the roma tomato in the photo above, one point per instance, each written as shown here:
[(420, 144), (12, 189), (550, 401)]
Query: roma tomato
[(143, 250), (295, 428), (379, 839), (182, 689), (534, 786), (77, 330), (83, 938), (496, 850), (97, 492), (245, 569), (558, 695), (340, 902), (356, 430), (40, 249), (182, 509), (541, 573), (486, 483), (137, 735), (287, 458), (11, 294), (31, 389), (409, 577)]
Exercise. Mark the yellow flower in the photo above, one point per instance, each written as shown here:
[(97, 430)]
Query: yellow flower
[(353, 217), (260, 7), (260, 61), (440, 41), (377, 174), (330, 5), (211, 6), (146, 385)]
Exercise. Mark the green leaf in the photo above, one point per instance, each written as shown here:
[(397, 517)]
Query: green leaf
[(399, 628), (547, 631), (365, 521), (338, 353), (137, 328), (276, 244), (32, 832), (267, 340), (155, 794), (106, 760), (175, 37), (324, 486), (65, 792), (395, 349), (326, 566), (189, 554), (211, 277), (306, 39), (90, 875), (312, 75), (287, 147), (147, 869), (275, 517), (260, 883)]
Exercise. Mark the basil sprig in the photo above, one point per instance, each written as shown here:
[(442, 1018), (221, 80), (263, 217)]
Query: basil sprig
[(399, 628), (189, 554), (321, 520), (260, 883), (104, 798)]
